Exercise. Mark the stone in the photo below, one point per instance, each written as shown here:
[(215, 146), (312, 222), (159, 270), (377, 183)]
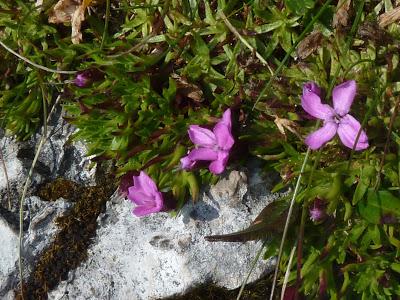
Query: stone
[(59, 157), (40, 233), (8, 249), (42, 227), (161, 255)]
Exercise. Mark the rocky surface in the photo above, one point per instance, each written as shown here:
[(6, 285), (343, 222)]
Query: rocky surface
[(40, 233), (8, 250), (58, 158), (130, 258), (158, 256)]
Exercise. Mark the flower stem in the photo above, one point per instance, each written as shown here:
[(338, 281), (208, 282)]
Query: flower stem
[(295, 192)]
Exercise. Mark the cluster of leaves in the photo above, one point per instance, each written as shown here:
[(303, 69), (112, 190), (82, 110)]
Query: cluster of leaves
[(354, 251), (162, 65)]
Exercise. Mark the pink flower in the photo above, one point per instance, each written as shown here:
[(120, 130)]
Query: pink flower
[(317, 212), (210, 145), (145, 195), (336, 119)]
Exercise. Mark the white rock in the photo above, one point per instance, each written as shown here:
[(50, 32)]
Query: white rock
[(59, 157), (8, 250), (158, 256), (41, 232)]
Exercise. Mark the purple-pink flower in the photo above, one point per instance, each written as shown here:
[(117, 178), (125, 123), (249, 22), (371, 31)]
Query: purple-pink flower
[(210, 145), (336, 119), (82, 79), (317, 211), (145, 195)]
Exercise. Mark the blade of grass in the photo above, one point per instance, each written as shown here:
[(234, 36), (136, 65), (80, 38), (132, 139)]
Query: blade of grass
[(33, 63), (243, 40), (287, 273), (3, 163), (46, 118), (285, 230), (253, 264), (105, 24)]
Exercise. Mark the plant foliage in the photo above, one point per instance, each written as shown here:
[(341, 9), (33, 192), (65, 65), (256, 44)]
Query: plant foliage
[(161, 66)]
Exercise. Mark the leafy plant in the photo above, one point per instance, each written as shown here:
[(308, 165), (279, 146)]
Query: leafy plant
[(156, 67)]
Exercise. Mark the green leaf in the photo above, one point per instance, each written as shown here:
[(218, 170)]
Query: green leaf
[(395, 267), (299, 7), (363, 184), (380, 207)]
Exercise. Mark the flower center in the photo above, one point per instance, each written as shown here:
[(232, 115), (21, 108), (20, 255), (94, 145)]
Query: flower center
[(337, 119)]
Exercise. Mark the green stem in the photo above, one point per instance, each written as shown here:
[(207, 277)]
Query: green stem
[(46, 118), (295, 192), (105, 24), (251, 270)]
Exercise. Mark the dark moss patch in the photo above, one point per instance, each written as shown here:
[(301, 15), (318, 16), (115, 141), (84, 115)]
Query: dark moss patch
[(77, 229), (259, 290), (60, 188)]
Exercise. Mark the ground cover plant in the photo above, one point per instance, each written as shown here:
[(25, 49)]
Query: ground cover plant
[(176, 92)]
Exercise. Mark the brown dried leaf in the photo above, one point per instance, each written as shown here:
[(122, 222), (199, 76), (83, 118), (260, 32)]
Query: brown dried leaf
[(70, 11), (270, 221), (283, 124), (186, 89), (341, 17), (389, 17), (309, 44), (370, 31)]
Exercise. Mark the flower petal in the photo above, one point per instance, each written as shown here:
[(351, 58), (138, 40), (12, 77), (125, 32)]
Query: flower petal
[(141, 211), (348, 131), (145, 183), (226, 118), (224, 136), (155, 205), (343, 96), (203, 154), (318, 138), (138, 197), (187, 163), (311, 103), (201, 136), (218, 165), (311, 87)]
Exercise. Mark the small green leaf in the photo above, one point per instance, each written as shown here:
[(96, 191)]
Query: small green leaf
[(395, 267), (299, 7), (380, 207)]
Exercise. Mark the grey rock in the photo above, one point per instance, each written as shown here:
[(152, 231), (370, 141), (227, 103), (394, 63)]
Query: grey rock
[(39, 235), (8, 249), (42, 227), (59, 157), (161, 255)]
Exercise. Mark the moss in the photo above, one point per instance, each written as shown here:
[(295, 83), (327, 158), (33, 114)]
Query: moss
[(60, 188), (77, 229)]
